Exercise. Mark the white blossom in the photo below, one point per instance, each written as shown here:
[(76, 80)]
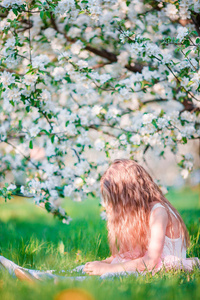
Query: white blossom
[(11, 187), (162, 123), (90, 181), (101, 77), (135, 139), (188, 165), (82, 167), (103, 215), (96, 110), (58, 73), (76, 47), (147, 118), (54, 194), (67, 172), (99, 144), (82, 64), (196, 79), (7, 78), (182, 32), (10, 42), (172, 11), (46, 95), (152, 49), (49, 33), (22, 189), (188, 131), (30, 79), (189, 156), (163, 189), (40, 61), (66, 221), (184, 173), (64, 6), (34, 130), (112, 112), (78, 182), (186, 115), (184, 11), (123, 139), (12, 95), (124, 91)]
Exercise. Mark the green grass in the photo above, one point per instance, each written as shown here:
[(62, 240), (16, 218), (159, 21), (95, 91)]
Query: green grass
[(34, 239)]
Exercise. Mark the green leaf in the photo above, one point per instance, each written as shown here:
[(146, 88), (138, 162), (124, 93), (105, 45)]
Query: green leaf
[(184, 139), (68, 79), (48, 14), (52, 138), (45, 131), (12, 102), (48, 206), (187, 53), (162, 153), (186, 43), (154, 123), (161, 113), (20, 123), (107, 154), (31, 144), (42, 14), (15, 11), (198, 40), (194, 32), (27, 108)]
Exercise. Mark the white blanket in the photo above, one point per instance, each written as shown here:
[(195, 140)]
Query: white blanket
[(10, 266)]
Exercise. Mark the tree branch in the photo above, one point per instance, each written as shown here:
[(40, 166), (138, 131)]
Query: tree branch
[(26, 157), (111, 57), (154, 100), (196, 21), (9, 70), (100, 65)]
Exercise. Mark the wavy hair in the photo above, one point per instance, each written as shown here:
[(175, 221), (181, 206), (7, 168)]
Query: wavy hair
[(127, 190)]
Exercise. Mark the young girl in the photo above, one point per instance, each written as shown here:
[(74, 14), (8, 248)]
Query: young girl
[(145, 231)]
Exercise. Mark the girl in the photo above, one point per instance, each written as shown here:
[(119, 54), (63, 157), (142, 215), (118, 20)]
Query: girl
[(145, 231)]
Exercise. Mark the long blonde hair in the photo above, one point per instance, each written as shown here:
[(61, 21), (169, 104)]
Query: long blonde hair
[(128, 190)]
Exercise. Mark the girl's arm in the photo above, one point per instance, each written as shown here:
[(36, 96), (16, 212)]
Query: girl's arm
[(158, 225), (108, 260)]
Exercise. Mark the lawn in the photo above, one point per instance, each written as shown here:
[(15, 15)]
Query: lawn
[(34, 239)]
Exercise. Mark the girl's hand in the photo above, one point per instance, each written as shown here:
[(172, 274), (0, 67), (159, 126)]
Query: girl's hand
[(98, 268)]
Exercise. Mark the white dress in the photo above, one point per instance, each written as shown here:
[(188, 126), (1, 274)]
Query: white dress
[(172, 246)]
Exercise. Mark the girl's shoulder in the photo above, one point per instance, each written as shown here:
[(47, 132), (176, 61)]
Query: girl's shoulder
[(154, 205), (158, 213), (154, 211)]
